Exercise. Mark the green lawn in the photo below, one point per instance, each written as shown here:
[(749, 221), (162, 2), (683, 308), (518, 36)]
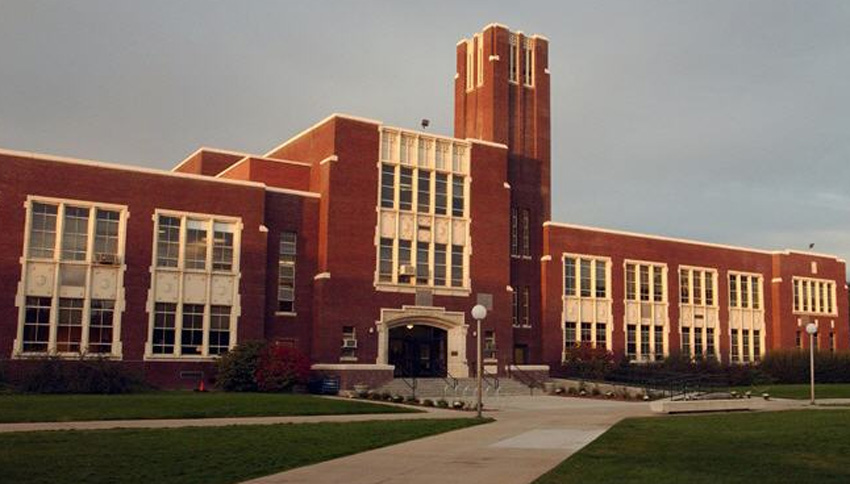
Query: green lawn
[(190, 455), (770, 447), (60, 408), (801, 391)]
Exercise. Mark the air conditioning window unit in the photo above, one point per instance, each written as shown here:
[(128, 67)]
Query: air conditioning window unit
[(106, 259), (349, 343), (406, 270)]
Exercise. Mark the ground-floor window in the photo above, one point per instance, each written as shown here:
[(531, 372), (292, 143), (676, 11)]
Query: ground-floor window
[(595, 334), (180, 329), (745, 345), (644, 342)]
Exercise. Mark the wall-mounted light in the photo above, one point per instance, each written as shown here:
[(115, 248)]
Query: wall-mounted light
[(409, 326)]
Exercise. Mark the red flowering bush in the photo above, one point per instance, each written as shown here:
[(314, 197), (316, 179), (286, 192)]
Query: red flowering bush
[(280, 368)]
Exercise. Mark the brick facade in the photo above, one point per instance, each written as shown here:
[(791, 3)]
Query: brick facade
[(324, 185)]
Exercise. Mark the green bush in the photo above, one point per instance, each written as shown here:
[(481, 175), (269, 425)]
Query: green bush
[(237, 367), (792, 366), (587, 362), (100, 375)]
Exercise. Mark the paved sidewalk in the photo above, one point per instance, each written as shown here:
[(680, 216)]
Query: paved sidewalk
[(530, 436), (430, 413)]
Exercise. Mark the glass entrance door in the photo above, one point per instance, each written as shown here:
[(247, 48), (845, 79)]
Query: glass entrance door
[(418, 351)]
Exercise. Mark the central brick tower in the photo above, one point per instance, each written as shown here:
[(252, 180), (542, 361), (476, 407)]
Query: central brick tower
[(502, 96)]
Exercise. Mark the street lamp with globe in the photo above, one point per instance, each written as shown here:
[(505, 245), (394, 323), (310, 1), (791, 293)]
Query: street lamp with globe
[(812, 329), (479, 312)]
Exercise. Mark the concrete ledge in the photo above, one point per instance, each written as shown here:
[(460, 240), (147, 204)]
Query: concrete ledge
[(693, 406)]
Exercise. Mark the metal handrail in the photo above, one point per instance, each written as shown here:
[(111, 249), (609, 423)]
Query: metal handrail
[(487, 377), (524, 378)]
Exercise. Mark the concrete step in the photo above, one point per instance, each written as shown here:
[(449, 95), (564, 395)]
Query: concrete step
[(466, 388)]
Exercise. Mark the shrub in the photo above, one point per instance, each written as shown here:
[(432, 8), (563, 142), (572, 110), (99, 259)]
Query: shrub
[(792, 366), (587, 362), (428, 402), (100, 375), (237, 368), (442, 403), (280, 368)]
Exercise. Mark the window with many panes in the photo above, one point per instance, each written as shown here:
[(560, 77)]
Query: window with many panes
[(586, 277), (423, 218), (196, 252), (814, 296), (696, 286), (645, 282), (287, 252), (76, 246), (745, 290)]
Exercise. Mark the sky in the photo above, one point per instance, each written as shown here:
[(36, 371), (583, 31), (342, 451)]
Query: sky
[(722, 121)]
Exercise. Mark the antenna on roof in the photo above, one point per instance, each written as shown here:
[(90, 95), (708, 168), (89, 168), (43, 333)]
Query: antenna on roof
[(425, 123), (811, 246)]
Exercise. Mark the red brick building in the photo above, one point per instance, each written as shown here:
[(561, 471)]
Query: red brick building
[(365, 246)]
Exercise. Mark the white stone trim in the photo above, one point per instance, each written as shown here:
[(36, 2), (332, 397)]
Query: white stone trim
[(297, 193), (134, 169), (682, 241), (320, 123)]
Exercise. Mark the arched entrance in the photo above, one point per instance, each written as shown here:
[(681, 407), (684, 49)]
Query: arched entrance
[(418, 350), (423, 339)]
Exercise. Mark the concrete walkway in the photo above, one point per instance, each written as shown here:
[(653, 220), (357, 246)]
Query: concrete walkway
[(530, 436)]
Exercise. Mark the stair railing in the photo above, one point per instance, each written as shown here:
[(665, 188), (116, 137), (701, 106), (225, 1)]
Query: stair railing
[(525, 378)]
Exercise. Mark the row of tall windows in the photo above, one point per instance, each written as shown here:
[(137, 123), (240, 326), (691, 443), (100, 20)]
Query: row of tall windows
[(815, 296), (745, 291), (586, 277), (520, 61), (645, 282), (696, 286)]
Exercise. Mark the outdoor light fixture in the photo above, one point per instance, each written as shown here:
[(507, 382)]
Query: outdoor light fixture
[(812, 329), (409, 326), (479, 312)]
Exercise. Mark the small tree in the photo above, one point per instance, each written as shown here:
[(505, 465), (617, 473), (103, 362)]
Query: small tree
[(280, 368)]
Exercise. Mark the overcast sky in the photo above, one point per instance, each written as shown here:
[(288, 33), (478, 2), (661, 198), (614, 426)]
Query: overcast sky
[(725, 121)]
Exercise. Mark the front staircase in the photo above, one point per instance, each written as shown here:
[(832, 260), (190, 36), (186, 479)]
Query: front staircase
[(459, 388)]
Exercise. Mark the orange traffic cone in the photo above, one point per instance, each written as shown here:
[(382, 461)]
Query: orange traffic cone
[(201, 387)]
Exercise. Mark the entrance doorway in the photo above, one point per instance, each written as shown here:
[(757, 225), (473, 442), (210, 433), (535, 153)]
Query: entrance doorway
[(418, 350)]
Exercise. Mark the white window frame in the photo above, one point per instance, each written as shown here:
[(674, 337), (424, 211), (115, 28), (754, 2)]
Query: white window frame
[(208, 272), (456, 155), (88, 264), (808, 296)]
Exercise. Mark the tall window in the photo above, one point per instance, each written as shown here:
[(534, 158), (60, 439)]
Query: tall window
[(513, 58), (570, 334), (526, 232), (527, 63), (194, 319), (514, 231), (470, 64), (287, 253), (441, 197), (423, 195), (515, 307), (526, 306), (439, 264), (75, 246), (458, 208), (457, 266), (479, 41)]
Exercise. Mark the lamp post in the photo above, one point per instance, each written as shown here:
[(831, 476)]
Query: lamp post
[(479, 312), (812, 329)]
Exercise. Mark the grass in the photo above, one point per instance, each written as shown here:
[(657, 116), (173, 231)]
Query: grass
[(774, 447), (801, 391), (169, 405), (190, 455)]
